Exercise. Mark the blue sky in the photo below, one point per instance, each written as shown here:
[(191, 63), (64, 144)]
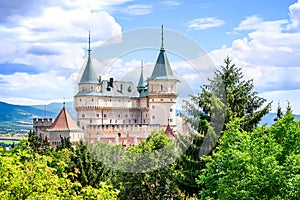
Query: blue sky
[(43, 42)]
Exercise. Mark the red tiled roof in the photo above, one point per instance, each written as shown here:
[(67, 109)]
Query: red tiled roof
[(64, 122), (169, 131)]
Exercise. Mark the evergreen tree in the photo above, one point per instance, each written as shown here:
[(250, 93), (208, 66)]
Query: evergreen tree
[(90, 170), (238, 96), (279, 113), (65, 143)]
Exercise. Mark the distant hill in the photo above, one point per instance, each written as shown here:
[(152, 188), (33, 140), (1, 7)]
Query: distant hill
[(269, 118), (18, 119)]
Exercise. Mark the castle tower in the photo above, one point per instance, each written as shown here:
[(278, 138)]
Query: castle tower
[(162, 92), (84, 100)]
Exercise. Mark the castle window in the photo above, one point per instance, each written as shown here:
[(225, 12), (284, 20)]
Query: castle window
[(171, 109), (152, 99), (82, 127), (119, 116), (126, 115), (91, 121), (97, 115), (104, 115), (161, 87), (110, 121), (161, 99), (171, 120), (171, 99), (116, 121), (153, 117), (80, 100), (91, 87), (110, 100), (83, 115), (153, 106), (92, 99)]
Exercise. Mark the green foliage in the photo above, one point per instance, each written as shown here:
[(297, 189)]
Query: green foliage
[(189, 166), (156, 181), (89, 169), (227, 97), (262, 164), (26, 175), (65, 143)]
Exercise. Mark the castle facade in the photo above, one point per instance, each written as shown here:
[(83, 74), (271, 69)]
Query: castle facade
[(120, 112)]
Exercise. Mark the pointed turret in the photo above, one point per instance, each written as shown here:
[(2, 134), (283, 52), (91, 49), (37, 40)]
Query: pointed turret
[(162, 69), (89, 75), (141, 84)]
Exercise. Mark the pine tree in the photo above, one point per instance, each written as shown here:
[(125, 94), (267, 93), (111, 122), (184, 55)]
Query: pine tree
[(279, 113), (237, 95)]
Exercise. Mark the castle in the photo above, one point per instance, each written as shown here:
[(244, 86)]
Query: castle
[(118, 112)]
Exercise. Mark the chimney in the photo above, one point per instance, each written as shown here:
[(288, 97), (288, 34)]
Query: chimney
[(111, 82)]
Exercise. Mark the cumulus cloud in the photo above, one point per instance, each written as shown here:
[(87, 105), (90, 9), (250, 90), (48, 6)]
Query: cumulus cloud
[(43, 50), (37, 87), (205, 23), (269, 55), (295, 17)]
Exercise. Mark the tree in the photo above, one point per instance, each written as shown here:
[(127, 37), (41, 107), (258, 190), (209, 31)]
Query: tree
[(261, 164), (65, 143), (238, 96), (152, 180), (26, 175), (279, 113), (188, 168), (89, 169)]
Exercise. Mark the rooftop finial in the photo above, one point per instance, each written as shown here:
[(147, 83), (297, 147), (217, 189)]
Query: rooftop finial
[(64, 103), (142, 65), (89, 50), (162, 36)]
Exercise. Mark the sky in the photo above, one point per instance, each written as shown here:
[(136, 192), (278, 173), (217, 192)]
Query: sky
[(43, 43)]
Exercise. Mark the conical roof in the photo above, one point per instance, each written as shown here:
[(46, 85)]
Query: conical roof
[(169, 131), (162, 69), (141, 83), (64, 122), (89, 75)]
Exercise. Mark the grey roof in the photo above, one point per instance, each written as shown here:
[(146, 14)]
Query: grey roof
[(162, 69), (89, 75), (119, 89), (141, 83)]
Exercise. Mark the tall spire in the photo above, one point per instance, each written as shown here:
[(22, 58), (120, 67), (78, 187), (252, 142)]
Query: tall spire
[(89, 50), (162, 37), (141, 84), (162, 69), (89, 75)]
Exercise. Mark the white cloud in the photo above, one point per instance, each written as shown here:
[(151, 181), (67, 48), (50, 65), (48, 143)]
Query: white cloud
[(269, 55), (37, 87), (205, 23), (138, 9), (295, 17), (171, 3)]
